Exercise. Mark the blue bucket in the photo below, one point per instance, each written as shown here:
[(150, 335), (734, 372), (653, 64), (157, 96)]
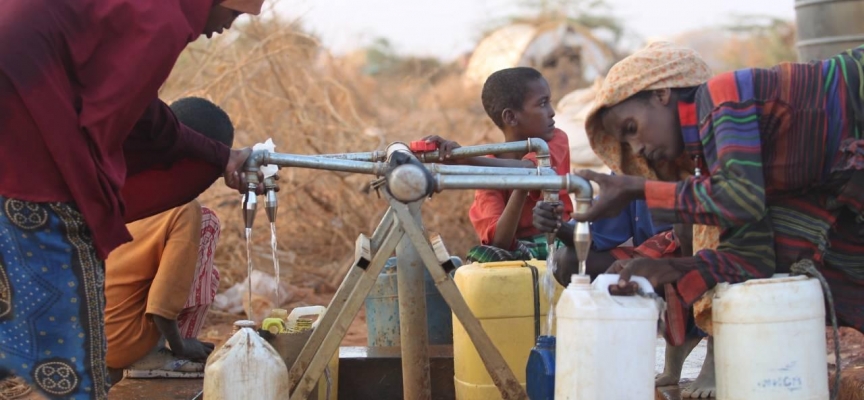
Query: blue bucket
[(382, 310)]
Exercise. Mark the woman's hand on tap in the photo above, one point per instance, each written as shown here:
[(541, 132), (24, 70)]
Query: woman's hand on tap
[(234, 176), (616, 194)]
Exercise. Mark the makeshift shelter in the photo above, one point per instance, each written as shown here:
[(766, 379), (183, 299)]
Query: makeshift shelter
[(570, 116), (567, 54)]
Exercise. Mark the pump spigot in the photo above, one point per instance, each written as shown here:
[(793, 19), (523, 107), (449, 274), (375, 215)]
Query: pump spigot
[(250, 203), (582, 235), (270, 204)]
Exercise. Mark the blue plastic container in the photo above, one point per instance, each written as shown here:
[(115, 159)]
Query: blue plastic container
[(382, 310), (540, 371)]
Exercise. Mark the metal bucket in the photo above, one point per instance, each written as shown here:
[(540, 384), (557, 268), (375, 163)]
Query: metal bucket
[(828, 27), (382, 310)]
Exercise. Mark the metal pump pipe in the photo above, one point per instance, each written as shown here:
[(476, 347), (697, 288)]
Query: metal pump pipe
[(471, 170), (263, 157), (332, 163), (256, 160), (369, 156), (536, 145), (407, 183), (571, 183)]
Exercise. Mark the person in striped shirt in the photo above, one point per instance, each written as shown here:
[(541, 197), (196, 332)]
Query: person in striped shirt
[(777, 159), (781, 159)]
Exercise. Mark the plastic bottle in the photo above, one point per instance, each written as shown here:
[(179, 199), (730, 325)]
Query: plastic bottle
[(540, 371), (245, 367), (605, 344)]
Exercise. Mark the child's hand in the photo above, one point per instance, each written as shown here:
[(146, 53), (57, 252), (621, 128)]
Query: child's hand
[(445, 147), (547, 216)]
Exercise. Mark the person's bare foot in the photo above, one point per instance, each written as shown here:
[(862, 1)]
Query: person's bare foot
[(705, 385), (675, 357)]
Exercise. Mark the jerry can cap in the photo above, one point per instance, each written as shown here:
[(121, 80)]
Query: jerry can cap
[(580, 280), (244, 323)]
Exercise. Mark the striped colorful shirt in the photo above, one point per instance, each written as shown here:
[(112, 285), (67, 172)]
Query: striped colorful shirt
[(777, 148)]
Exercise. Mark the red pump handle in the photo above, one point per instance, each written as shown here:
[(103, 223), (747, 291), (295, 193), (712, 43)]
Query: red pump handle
[(422, 146)]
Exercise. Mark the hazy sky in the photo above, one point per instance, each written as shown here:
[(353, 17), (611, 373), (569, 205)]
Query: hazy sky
[(446, 28)]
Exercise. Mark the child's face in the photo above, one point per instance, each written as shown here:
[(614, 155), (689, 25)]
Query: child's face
[(536, 118)]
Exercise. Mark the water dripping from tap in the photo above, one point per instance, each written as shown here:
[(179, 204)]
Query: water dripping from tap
[(550, 286), (249, 272), (278, 277)]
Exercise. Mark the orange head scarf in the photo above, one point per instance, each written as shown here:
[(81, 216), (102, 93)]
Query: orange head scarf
[(660, 65)]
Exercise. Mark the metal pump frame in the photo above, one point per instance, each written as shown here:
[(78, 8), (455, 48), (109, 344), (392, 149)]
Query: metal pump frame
[(401, 230)]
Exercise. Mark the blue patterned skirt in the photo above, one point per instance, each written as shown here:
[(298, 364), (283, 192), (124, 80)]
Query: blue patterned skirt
[(51, 300)]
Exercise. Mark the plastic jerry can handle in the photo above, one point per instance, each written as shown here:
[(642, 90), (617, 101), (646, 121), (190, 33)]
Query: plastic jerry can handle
[(606, 280), (302, 311)]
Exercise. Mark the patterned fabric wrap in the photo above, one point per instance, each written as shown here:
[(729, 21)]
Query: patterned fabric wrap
[(51, 300), (526, 249), (679, 322), (661, 245), (206, 281)]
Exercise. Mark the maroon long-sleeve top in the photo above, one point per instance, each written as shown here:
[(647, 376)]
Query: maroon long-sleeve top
[(80, 118)]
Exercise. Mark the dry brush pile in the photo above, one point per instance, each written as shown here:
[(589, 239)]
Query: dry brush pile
[(277, 82)]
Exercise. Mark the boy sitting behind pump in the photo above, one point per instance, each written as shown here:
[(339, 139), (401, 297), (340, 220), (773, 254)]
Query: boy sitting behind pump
[(513, 224), (518, 101)]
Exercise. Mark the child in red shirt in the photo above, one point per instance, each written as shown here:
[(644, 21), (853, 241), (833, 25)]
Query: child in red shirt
[(518, 102)]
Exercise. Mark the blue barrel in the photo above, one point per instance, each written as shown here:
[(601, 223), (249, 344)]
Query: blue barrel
[(540, 371), (382, 310)]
